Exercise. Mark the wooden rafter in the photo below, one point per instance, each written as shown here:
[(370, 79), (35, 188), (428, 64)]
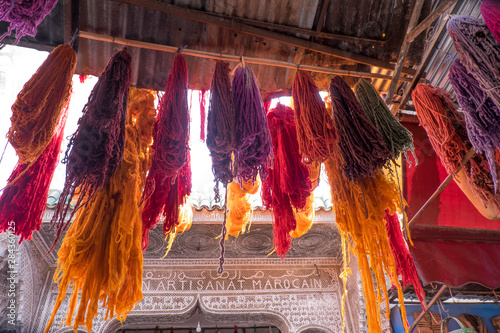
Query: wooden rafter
[(404, 51), (234, 58), (425, 60), (427, 308), (201, 16), (443, 7)]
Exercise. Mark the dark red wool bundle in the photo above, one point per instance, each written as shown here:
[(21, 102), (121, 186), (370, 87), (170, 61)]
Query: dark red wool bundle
[(254, 147), (203, 114), (490, 9), (24, 201), (170, 144), (405, 266), (95, 150), (288, 183), (315, 128), (220, 126), (361, 144)]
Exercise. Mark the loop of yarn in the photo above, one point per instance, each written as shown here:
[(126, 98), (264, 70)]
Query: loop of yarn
[(315, 129), (482, 116), (447, 133), (38, 106), (221, 139), (396, 137), (254, 147), (24, 16), (95, 150), (288, 184), (361, 145)]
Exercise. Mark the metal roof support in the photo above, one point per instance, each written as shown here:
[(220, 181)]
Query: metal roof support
[(404, 51), (205, 17), (427, 308), (423, 63), (235, 58)]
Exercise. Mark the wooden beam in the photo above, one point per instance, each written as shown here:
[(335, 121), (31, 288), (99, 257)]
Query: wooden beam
[(322, 16), (427, 308), (423, 63), (204, 17), (429, 20), (404, 51), (234, 58)]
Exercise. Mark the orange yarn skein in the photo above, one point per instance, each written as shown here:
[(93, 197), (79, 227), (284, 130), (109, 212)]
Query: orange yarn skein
[(38, 106)]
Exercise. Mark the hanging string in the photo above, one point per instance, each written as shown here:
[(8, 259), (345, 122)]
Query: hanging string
[(315, 129), (221, 139), (482, 116), (222, 240), (254, 147), (490, 9), (361, 145), (479, 52), (446, 130), (396, 137), (288, 184), (25, 200), (38, 107), (101, 254), (96, 148), (202, 115), (24, 16), (170, 144)]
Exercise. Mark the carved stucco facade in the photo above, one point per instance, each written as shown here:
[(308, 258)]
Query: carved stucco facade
[(301, 292)]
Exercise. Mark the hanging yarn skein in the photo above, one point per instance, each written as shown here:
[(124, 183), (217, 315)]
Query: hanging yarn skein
[(101, 254), (361, 144), (254, 147), (238, 205), (490, 9), (38, 106), (447, 133), (221, 139), (479, 52), (305, 217), (25, 201), (315, 129), (96, 148), (24, 16), (396, 137), (368, 233), (171, 147), (288, 184), (482, 116)]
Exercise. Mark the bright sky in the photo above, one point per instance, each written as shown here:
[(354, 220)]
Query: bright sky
[(18, 64)]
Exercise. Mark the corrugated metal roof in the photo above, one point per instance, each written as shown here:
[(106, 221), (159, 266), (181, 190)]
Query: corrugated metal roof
[(381, 19)]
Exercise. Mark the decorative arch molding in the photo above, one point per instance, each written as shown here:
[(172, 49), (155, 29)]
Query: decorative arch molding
[(315, 329)]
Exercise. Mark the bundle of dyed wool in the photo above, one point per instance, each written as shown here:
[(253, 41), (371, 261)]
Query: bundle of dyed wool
[(361, 145), (405, 266), (24, 200), (96, 148), (446, 130), (38, 107), (288, 184), (185, 222), (479, 52), (254, 148), (315, 129), (396, 137), (482, 116), (101, 254), (24, 16), (170, 144), (305, 217), (239, 208), (490, 9), (221, 139), (362, 218)]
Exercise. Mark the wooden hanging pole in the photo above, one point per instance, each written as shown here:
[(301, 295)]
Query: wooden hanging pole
[(443, 185), (234, 58), (427, 308)]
